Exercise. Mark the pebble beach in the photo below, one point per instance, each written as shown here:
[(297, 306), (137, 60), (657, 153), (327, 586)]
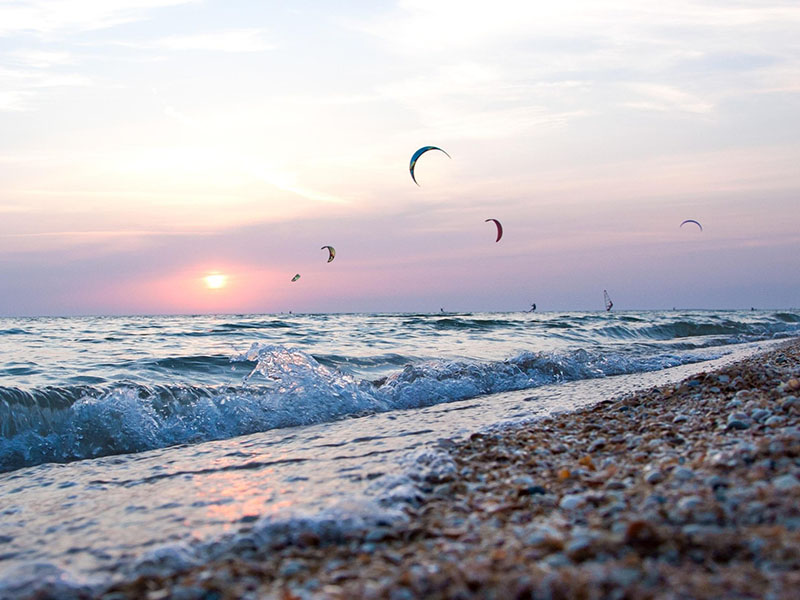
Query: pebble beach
[(687, 491)]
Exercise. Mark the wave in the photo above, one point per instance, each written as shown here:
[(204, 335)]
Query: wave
[(730, 330), (787, 317), (285, 388), (235, 328), (439, 322), (14, 331), (202, 363)]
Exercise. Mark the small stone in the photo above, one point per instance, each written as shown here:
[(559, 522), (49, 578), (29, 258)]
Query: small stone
[(654, 476), (737, 421), (292, 567), (776, 447), (188, 592), (775, 421), (689, 504), (723, 378), (793, 384), (788, 403), (572, 501), (597, 444), (557, 560), (579, 548), (680, 418), (733, 403), (683, 474), (714, 389), (725, 458), (715, 482), (786, 482), (642, 534), (379, 534), (532, 490)]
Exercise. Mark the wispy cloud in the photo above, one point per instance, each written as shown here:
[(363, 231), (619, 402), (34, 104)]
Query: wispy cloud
[(238, 40), (14, 100), (22, 86), (57, 16), (653, 96)]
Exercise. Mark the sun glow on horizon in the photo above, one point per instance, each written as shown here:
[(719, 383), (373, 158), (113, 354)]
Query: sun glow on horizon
[(215, 281)]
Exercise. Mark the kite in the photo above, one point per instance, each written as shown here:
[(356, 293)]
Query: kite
[(499, 228), (419, 153), (331, 252), (296, 277), (692, 221)]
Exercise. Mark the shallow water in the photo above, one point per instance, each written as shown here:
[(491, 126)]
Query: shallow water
[(122, 434)]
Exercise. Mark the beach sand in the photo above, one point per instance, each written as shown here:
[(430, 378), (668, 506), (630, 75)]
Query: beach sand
[(687, 491)]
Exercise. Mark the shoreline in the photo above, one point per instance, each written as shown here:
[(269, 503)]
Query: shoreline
[(688, 490)]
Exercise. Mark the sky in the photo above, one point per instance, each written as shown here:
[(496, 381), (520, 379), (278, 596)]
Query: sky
[(147, 145)]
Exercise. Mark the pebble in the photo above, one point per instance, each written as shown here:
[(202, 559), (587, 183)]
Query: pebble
[(572, 501), (716, 482), (184, 592), (579, 547), (759, 414), (775, 421), (737, 421), (688, 504), (683, 474), (654, 476), (680, 418), (533, 490), (597, 444), (786, 482), (292, 567)]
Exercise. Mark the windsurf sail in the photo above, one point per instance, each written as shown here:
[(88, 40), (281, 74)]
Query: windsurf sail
[(607, 300)]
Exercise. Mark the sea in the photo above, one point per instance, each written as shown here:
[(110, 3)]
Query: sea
[(153, 442)]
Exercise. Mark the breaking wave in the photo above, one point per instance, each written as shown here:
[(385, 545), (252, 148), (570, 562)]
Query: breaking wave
[(285, 388)]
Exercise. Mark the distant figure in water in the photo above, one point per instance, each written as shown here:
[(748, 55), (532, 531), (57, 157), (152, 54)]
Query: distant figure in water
[(441, 310), (533, 307)]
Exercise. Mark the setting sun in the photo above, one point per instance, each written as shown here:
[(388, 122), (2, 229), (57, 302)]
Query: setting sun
[(215, 281)]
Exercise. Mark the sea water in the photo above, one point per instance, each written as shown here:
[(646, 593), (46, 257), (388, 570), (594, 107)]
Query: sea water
[(120, 436)]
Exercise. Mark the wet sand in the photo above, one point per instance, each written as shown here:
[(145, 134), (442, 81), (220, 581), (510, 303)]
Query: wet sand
[(687, 491)]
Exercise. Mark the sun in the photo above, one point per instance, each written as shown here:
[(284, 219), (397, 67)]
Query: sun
[(215, 281)]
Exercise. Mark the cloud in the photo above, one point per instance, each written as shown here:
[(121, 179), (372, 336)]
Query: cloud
[(666, 98), (14, 100), (238, 40), (20, 87), (56, 16)]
